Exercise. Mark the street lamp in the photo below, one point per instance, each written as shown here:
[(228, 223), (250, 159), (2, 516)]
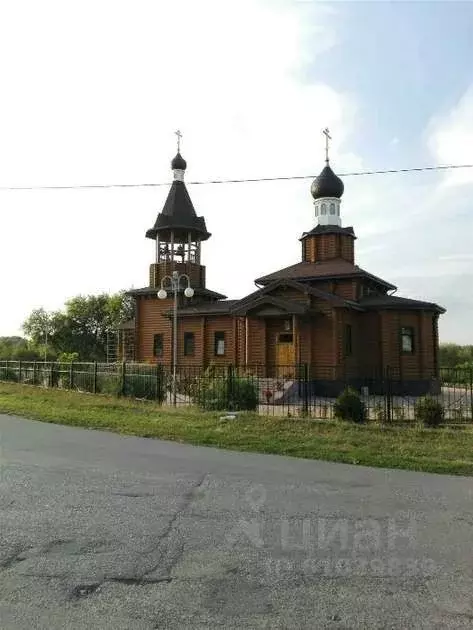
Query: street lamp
[(175, 281)]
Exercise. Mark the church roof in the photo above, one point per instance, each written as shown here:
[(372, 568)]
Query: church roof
[(221, 307), (336, 268), (179, 215), (253, 299), (327, 184), (394, 301), (329, 229), (178, 162), (198, 291)]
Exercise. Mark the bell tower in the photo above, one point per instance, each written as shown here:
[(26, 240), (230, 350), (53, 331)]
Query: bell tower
[(328, 240), (178, 232)]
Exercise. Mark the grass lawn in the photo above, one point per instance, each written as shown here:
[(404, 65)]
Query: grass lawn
[(443, 450)]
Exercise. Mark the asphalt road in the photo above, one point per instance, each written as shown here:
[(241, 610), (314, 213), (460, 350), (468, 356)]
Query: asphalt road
[(110, 532)]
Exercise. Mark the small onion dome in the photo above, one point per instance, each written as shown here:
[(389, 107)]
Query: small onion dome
[(178, 163), (327, 184)]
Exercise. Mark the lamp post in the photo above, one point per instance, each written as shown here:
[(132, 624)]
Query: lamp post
[(174, 286)]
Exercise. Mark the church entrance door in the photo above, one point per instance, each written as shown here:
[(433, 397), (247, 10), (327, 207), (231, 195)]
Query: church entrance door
[(285, 354)]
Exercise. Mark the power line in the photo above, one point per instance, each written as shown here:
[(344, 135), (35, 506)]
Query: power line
[(241, 181)]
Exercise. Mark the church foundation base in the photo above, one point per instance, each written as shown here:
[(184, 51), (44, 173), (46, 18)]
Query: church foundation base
[(332, 389)]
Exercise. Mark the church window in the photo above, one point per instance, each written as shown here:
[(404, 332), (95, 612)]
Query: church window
[(324, 208), (407, 340), (158, 345), (332, 208), (219, 344), (348, 340), (189, 344)]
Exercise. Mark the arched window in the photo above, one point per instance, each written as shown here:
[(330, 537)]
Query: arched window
[(316, 211), (324, 208), (332, 208)]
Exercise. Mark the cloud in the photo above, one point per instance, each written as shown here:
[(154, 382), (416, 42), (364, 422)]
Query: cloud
[(450, 139)]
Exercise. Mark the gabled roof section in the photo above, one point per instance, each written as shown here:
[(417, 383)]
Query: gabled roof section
[(393, 301), (221, 307), (335, 268), (289, 307), (254, 298), (179, 215), (329, 229), (198, 291)]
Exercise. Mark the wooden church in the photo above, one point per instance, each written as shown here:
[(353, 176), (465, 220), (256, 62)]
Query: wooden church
[(346, 324)]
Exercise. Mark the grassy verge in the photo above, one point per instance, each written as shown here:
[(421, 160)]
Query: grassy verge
[(433, 450)]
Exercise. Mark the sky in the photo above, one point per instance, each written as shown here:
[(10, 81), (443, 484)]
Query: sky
[(92, 92)]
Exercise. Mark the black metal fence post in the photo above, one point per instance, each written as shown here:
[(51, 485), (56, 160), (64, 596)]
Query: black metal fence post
[(94, 386), (71, 375), (305, 390), (471, 392), (388, 395), (160, 384), (230, 386), (123, 379), (19, 371), (174, 385)]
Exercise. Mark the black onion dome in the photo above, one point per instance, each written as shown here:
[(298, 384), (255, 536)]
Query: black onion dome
[(327, 184), (178, 163)]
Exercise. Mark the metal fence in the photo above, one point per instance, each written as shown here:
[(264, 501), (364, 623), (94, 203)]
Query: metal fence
[(275, 390)]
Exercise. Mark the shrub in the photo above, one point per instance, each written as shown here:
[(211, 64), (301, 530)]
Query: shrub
[(8, 374), (233, 393), (138, 386), (68, 357), (429, 411), (151, 385), (108, 384), (349, 406)]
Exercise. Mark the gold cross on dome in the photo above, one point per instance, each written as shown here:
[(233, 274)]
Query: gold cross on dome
[(328, 137), (179, 136)]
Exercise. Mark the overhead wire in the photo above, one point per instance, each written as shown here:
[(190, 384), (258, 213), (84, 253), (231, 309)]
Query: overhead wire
[(240, 181)]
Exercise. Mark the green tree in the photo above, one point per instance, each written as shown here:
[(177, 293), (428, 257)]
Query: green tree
[(17, 348), (38, 327), (83, 325), (452, 355)]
